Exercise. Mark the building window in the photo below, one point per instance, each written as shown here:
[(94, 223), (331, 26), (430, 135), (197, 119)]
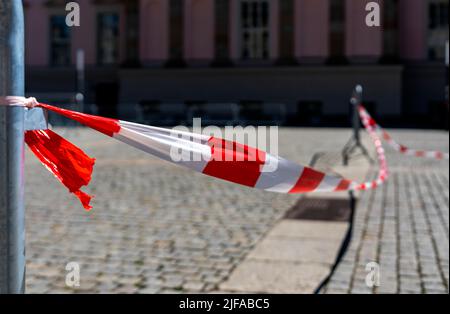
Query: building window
[(337, 30), (437, 28), (286, 31), (310, 112), (254, 18), (59, 41), (176, 35), (132, 33), (108, 38), (252, 112), (390, 31), (222, 20)]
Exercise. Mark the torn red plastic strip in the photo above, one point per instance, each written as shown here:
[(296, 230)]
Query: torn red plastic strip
[(68, 163)]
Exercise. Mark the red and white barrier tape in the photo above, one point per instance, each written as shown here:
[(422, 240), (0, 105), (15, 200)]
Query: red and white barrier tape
[(18, 101), (396, 146), (222, 159), (226, 160), (383, 171)]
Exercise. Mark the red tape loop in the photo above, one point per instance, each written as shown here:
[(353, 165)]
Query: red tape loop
[(18, 101)]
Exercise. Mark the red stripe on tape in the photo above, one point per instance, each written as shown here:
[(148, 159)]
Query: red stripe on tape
[(343, 185), (420, 153), (309, 180), (234, 162), (105, 125)]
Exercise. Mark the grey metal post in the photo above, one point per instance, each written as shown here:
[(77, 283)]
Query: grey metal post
[(80, 93), (12, 215), (446, 80), (355, 140), (355, 102)]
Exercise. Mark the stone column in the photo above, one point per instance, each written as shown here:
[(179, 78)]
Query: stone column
[(36, 34), (176, 33), (413, 29), (311, 33), (199, 31), (364, 44), (154, 32)]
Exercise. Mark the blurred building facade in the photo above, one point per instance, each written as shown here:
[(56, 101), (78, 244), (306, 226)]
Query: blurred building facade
[(304, 54)]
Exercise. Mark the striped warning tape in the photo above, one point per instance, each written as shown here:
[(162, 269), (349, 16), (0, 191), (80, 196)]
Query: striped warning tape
[(227, 160), (365, 116), (383, 171), (221, 159)]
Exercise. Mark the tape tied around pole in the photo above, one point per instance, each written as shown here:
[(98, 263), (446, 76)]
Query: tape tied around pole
[(18, 101)]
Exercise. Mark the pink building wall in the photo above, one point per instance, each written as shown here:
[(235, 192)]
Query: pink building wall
[(234, 28), (199, 30), (274, 29), (36, 33), (412, 30), (79, 38), (311, 29), (363, 42), (154, 30)]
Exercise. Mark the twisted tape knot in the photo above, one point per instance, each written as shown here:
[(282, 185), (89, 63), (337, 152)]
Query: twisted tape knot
[(19, 101)]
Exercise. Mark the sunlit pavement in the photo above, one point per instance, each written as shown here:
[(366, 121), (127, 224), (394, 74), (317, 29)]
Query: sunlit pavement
[(403, 226)]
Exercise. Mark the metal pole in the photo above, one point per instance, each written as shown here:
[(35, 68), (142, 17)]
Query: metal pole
[(446, 81), (355, 102), (80, 94), (12, 215), (355, 140)]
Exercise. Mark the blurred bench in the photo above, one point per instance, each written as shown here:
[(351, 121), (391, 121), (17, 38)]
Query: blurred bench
[(261, 113), (155, 112), (213, 113), (170, 114)]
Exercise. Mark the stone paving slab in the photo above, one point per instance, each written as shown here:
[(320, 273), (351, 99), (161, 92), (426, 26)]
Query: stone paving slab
[(289, 228), (297, 249), (255, 276), (294, 257)]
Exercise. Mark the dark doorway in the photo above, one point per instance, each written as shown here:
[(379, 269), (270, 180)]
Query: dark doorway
[(106, 98)]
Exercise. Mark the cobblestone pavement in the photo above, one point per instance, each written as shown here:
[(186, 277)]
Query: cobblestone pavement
[(404, 226), (158, 228), (155, 227)]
